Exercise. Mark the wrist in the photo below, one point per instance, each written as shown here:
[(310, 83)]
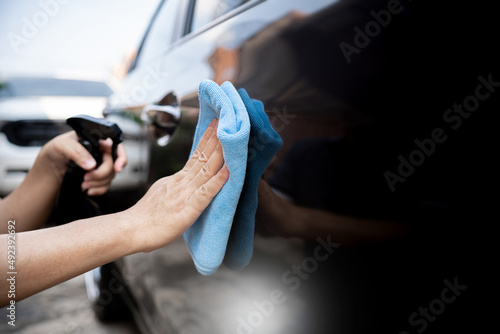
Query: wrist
[(295, 221), (129, 232), (49, 166)]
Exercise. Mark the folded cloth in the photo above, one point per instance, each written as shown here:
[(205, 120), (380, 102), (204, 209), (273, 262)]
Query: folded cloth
[(264, 143), (207, 238)]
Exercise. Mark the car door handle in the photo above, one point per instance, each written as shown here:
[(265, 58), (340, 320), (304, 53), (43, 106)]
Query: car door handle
[(162, 120), (164, 116)]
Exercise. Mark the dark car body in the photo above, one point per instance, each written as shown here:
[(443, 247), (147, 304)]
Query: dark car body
[(364, 95)]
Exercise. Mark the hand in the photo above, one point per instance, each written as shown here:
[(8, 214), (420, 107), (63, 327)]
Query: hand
[(173, 203), (275, 215), (64, 148), (97, 181)]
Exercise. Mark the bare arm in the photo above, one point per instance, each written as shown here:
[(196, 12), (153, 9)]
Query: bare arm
[(277, 216), (46, 257), (50, 256), (32, 202)]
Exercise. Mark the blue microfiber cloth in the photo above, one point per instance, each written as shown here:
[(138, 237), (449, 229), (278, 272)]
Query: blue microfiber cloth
[(264, 143), (207, 238)]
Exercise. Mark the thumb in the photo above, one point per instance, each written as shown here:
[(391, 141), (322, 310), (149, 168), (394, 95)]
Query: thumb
[(79, 155)]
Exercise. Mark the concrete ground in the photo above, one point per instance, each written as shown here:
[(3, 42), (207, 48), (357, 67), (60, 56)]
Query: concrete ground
[(63, 309)]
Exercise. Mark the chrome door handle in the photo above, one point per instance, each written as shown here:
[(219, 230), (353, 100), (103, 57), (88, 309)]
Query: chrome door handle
[(163, 121), (162, 118)]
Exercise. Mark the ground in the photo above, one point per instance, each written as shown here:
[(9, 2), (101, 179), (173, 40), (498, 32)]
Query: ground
[(63, 309)]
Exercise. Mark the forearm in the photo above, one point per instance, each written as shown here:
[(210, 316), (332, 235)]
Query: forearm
[(347, 230), (33, 201), (277, 215), (49, 256), (46, 257)]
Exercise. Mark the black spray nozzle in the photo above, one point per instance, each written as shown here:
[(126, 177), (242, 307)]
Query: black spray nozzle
[(90, 130), (74, 204)]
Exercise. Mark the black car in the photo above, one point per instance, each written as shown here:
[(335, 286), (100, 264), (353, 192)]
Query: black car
[(382, 107)]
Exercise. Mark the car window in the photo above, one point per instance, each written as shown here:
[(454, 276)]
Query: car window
[(206, 11), (53, 87), (161, 33)]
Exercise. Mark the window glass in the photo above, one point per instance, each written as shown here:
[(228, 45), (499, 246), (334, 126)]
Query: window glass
[(161, 33), (206, 11)]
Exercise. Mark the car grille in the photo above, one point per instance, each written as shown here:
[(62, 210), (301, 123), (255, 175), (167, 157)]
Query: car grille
[(33, 132)]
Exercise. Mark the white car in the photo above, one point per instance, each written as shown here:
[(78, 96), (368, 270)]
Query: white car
[(34, 109)]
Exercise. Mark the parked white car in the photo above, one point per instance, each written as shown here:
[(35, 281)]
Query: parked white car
[(34, 109)]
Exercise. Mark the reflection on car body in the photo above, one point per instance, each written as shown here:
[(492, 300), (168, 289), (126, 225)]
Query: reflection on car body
[(344, 124)]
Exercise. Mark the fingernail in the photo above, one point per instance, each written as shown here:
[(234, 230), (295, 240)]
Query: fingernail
[(118, 167), (213, 123), (88, 164)]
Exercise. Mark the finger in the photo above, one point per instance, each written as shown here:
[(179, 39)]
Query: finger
[(75, 151), (104, 171), (199, 157), (202, 161), (202, 197), (208, 169), (105, 145), (97, 183), (97, 191), (201, 145), (121, 158)]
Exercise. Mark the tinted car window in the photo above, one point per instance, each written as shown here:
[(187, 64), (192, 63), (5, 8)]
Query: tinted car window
[(162, 31), (208, 10), (53, 87)]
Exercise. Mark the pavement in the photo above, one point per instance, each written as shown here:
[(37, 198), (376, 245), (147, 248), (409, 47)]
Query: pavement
[(63, 309)]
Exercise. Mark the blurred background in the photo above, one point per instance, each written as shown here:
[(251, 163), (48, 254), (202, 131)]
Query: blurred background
[(58, 59), (87, 38)]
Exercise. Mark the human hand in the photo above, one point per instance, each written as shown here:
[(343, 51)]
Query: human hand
[(65, 148), (97, 181), (173, 203), (275, 215)]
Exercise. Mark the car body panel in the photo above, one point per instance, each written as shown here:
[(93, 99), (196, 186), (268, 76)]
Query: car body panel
[(170, 296), (288, 55)]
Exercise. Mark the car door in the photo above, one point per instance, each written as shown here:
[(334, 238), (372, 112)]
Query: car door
[(321, 67), (171, 294)]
